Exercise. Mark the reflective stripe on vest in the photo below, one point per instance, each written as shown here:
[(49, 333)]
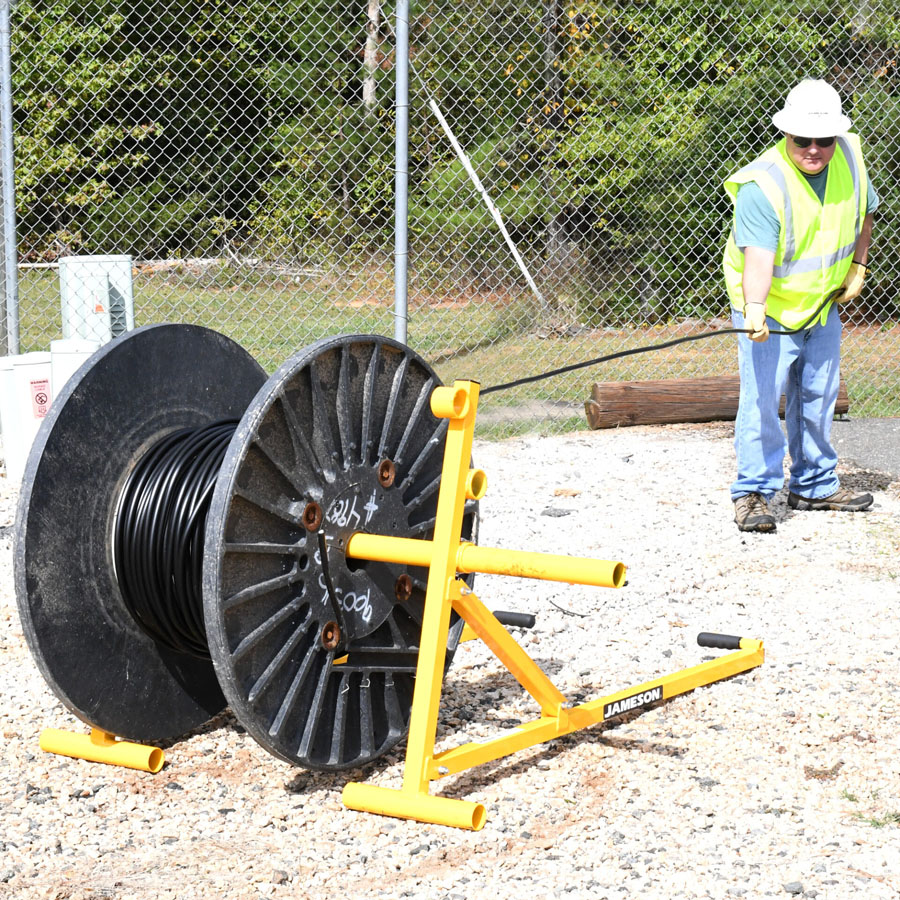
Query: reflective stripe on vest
[(771, 170)]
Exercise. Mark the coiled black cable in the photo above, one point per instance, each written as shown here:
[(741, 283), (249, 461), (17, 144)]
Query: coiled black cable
[(158, 547)]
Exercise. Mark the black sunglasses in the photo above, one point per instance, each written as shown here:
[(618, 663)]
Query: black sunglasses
[(819, 142)]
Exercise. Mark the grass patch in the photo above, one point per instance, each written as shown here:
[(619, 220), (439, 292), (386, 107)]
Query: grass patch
[(493, 430), (273, 320), (491, 338), (879, 821)]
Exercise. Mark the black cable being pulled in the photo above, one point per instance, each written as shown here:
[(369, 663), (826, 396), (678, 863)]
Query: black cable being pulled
[(646, 349), (621, 353), (159, 529)]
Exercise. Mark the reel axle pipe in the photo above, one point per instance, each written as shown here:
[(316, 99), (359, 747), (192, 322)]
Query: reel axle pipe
[(490, 560)]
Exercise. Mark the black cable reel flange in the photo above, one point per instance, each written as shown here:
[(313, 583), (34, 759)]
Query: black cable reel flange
[(181, 531)]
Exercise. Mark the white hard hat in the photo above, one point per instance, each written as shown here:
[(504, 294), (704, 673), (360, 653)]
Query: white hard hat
[(812, 109)]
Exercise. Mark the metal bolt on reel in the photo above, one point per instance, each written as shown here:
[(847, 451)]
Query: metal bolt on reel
[(146, 630)]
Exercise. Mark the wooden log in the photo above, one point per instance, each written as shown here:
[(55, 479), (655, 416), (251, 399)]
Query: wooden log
[(616, 403)]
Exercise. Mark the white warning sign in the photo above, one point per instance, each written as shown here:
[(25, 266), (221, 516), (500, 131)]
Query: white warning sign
[(40, 397)]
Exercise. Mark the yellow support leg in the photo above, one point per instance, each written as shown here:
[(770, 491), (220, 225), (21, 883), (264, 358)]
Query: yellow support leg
[(458, 404), (100, 746), (447, 556)]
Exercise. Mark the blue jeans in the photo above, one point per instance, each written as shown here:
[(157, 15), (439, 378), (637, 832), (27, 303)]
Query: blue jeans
[(806, 368)]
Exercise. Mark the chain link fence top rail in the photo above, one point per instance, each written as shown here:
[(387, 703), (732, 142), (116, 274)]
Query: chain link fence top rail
[(243, 155)]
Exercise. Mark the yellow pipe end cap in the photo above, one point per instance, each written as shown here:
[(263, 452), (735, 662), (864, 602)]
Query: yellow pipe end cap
[(476, 484), (450, 402)]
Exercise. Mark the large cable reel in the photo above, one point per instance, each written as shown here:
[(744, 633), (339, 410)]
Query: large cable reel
[(315, 653)]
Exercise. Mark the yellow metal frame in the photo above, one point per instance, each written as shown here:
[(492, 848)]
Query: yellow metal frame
[(447, 556)]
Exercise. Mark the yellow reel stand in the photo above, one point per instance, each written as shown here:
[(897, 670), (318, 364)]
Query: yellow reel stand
[(447, 556)]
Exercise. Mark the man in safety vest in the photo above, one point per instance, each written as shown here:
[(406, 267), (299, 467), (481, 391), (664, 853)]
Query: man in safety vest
[(803, 214)]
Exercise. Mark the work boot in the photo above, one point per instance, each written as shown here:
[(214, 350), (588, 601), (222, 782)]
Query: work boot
[(751, 512), (842, 499)]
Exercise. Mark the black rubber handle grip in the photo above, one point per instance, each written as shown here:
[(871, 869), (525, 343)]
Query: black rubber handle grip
[(720, 641), (517, 620)]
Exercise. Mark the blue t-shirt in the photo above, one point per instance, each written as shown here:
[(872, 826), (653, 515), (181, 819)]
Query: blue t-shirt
[(755, 221)]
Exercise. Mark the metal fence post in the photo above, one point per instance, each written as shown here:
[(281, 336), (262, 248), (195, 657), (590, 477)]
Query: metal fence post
[(9, 303), (401, 172)]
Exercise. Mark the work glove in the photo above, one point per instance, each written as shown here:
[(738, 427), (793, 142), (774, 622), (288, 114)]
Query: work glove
[(853, 283), (755, 320)]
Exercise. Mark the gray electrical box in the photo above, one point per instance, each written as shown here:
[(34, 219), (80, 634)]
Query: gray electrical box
[(97, 297)]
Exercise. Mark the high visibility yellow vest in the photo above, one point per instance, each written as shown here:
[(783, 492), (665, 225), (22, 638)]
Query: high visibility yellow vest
[(816, 240)]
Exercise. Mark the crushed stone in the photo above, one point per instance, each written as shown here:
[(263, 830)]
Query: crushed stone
[(782, 781)]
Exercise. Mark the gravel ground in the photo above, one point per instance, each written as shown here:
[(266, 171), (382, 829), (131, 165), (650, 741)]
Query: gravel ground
[(781, 781)]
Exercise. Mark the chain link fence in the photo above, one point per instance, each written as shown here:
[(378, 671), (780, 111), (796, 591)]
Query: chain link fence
[(242, 154)]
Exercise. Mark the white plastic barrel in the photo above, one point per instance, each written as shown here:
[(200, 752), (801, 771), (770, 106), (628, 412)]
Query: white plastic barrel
[(97, 296), (66, 357), (25, 401), (6, 392)]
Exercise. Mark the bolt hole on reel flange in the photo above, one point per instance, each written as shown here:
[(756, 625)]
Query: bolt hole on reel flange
[(170, 537)]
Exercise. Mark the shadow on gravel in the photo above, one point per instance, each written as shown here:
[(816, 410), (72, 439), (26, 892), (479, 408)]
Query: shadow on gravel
[(861, 481), (865, 480), (485, 777), (225, 720), (479, 701), (306, 781)]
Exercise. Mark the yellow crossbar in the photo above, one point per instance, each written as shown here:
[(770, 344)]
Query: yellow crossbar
[(586, 714), (490, 560)]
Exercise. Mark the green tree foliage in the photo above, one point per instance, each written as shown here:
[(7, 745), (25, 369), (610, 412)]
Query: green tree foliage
[(164, 128), (137, 127), (603, 129), (640, 115), (681, 96)]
